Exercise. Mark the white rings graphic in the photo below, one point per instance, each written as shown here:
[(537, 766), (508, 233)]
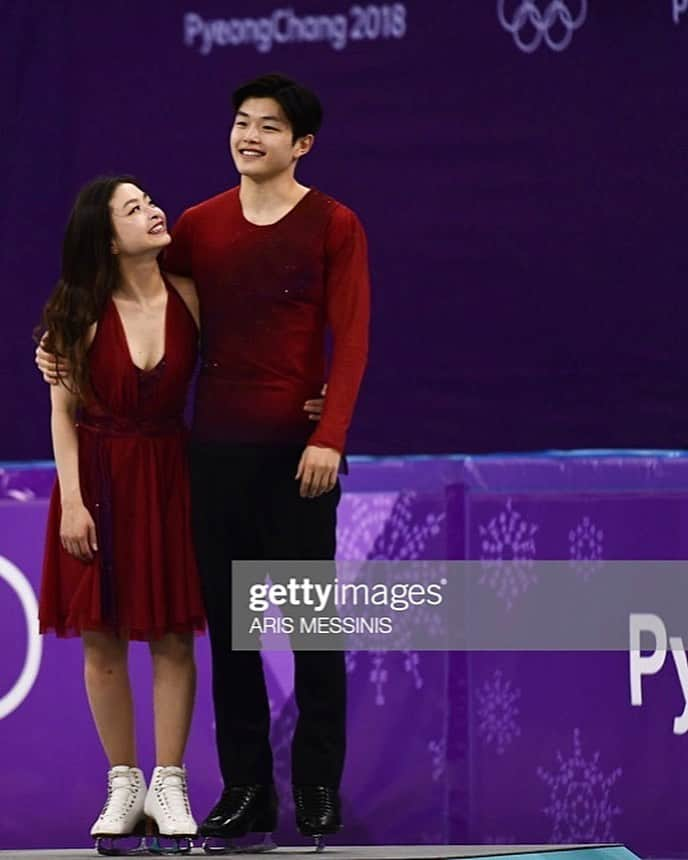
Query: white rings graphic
[(530, 27), (22, 686)]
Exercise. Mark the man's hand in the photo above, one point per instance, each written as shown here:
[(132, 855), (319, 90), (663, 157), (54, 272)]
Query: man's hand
[(318, 468), (49, 365), (315, 407), (78, 531)]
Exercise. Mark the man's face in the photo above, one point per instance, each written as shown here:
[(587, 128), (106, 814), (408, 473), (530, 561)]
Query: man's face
[(261, 140)]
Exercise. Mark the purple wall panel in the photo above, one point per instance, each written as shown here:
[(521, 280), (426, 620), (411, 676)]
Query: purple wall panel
[(524, 210), (444, 748)]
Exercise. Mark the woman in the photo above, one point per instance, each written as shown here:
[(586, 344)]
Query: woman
[(119, 562)]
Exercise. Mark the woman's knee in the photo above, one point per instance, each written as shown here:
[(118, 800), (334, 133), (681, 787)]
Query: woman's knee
[(173, 648)]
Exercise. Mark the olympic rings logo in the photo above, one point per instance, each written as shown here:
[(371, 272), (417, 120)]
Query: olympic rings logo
[(22, 686), (555, 25)]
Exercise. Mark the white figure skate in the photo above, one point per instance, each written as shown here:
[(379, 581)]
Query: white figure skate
[(123, 814), (167, 804)]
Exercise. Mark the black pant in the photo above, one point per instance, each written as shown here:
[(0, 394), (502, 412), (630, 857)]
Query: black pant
[(246, 505)]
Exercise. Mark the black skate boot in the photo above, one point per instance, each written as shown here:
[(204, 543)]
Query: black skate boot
[(318, 812), (242, 811)]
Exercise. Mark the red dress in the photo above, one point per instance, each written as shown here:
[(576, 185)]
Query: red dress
[(133, 469)]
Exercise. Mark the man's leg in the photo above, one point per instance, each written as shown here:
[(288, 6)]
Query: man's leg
[(223, 488), (305, 529)]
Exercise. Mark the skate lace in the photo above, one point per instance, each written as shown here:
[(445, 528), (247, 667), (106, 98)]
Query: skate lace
[(320, 799), (121, 796), (172, 794)]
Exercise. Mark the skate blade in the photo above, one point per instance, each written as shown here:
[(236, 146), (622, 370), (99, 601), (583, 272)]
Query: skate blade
[(121, 846), (319, 839), (159, 844), (245, 845)]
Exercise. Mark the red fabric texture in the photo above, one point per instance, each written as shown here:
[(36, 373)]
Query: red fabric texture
[(135, 483), (267, 296)]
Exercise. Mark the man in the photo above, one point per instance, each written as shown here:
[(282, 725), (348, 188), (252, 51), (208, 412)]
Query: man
[(275, 265)]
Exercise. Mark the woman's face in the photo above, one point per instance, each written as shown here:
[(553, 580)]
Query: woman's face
[(139, 226)]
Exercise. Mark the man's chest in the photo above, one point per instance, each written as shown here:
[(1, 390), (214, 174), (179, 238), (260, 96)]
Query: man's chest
[(258, 267)]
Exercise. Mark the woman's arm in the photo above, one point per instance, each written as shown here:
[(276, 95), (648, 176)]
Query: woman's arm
[(77, 529)]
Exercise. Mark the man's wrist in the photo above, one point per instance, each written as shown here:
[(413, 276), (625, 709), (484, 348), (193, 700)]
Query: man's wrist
[(326, 445)]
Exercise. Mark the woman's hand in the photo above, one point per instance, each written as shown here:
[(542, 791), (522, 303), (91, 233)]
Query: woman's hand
[(78, 531), (314, 408)]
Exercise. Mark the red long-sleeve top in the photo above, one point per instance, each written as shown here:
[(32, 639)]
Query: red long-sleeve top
[(267, 296)]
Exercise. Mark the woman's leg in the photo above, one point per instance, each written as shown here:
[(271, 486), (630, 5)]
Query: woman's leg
[(109, 693), (174, 689)]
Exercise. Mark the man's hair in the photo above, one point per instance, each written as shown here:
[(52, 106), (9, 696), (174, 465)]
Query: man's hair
[(301, 106)]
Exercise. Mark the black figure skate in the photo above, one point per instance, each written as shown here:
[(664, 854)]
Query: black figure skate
[(242, 812), (318, 812)]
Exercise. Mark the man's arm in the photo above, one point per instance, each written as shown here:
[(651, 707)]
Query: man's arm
[(177, 258), (347, 291), (51, 366), (55, 369)]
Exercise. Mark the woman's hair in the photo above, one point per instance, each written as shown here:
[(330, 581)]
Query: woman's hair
[(90, 273)]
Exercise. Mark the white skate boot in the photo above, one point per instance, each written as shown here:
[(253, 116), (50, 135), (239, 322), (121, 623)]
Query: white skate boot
[(123, 814), (167, 803)]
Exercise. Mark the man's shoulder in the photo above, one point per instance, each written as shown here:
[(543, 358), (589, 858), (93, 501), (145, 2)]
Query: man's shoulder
[(213, 205), (337, 213)]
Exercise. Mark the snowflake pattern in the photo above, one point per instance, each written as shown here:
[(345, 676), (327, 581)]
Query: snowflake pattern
[(378, 675), (403, 535), (498, 712), (507, 550), (283, 725), (406, 538), (580, 804), (438, 753), (350, 661), (365, 515), (586, 542), (412, 666), (10, 490)]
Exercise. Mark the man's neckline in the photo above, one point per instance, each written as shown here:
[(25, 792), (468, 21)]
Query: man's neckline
[(296, 205)]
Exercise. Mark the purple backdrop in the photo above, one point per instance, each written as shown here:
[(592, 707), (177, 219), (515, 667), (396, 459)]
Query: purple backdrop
[(443, 748), (525, 210)]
